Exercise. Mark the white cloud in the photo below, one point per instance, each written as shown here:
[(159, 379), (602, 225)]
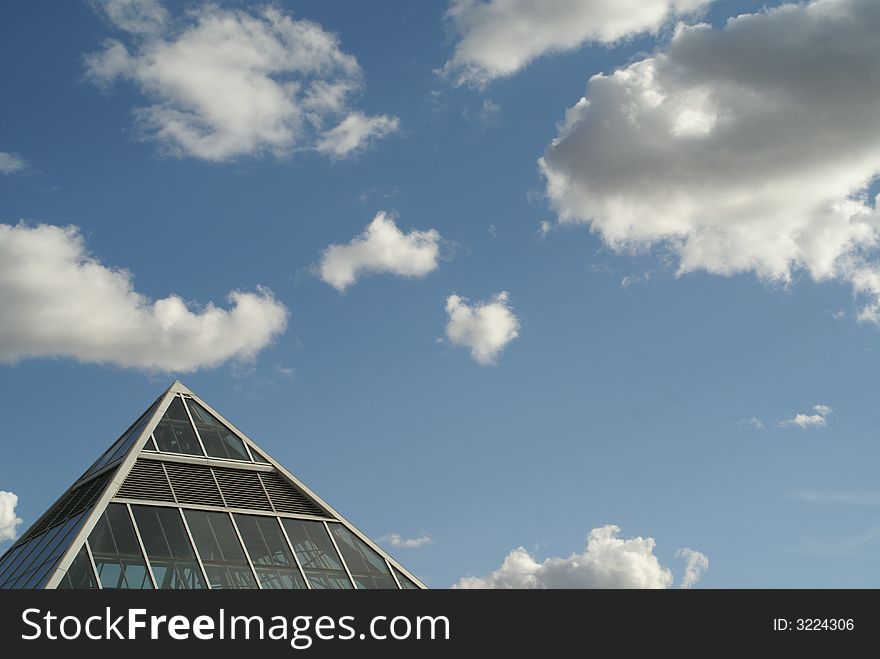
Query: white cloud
[(9, 521), (748, 149), (381, 248), (356, 132), (60, 301), (10, 163), (396, 540), (226, 83), (544, 227), (499, 37), (485, 328), (135, 16), (695, 563), (608, 562), (756, 423), (808, 420)]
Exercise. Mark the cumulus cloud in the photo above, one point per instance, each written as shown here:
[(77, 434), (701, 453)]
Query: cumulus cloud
[(484, 328), (608, 562), (60, 301), (381, 248), (9, 521), (225, 83), (396, 540), (746, 149), (695, 563), (808, 420), (499, 37), (356, 132), (11, 163)]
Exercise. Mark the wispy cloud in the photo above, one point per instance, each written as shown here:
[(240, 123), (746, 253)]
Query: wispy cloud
[(399, 541), (801, 420)]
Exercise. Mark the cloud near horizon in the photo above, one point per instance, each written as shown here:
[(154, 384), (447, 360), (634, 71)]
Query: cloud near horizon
[(607, 562), (60, 301), (9, 521)]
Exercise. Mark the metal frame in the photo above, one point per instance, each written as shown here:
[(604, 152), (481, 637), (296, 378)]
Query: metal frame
[(124, 466), (198, 556), (341, 557), (137, 533), (293, 553)]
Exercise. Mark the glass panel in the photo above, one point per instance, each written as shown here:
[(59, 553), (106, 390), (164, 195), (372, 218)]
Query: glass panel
[(43, 564), (258, 457), (150, 445), (116, 551), (79, 575), (123, 444), (175, 433), (9, 558), (168, 548), (316, 554), (405, 582), (269, 552), (220, 550), (367, 567), (219, 441), (31, 549)]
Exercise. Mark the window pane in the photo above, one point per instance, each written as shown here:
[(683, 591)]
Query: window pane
[(123, 444), (44, 564), (150, 445), (269, 552), (367, 567), (219, 441), (171, 555), (220, 550), (405, 582), (258, 457), (175, 433), (34, 548), (79, 576), (316, 554), (116, 552)]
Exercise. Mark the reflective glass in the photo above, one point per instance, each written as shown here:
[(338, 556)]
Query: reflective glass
[(368, 569), (174, 433), (9, 558), (220, 550), (258, 457), (116, 551), (150, 445), (316, 554), (219, 441), (44, 563), (79, 575), (269, 552), (123, 444), (405, 582), (171, 556), (31, 549)]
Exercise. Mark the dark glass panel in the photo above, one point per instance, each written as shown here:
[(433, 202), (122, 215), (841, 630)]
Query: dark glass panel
[(43, 564), (150, 445), (171, 556), (219, 441), (269, 552), (123, 444), (316, 554), (405, 582), (9, 558), (116, 551), (258, 457), (30, 550), (174, 433), (368, 569), (220, 550), (79, 575)]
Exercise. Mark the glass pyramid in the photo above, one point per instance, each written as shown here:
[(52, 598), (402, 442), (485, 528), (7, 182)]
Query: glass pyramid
[(183, 500)]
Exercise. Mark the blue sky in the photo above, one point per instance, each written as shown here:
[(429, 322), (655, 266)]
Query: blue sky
[(705, 275)]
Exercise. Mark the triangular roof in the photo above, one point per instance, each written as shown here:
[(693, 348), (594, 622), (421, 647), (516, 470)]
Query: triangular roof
[(151, 466)]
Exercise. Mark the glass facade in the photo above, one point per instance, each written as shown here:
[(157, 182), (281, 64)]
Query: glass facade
[(368, 569), (220, 551), (219, 441), (269, 552), (174, 433), (317, 555), (168, 548), (182, 524), (116, 551), (79, 575)]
